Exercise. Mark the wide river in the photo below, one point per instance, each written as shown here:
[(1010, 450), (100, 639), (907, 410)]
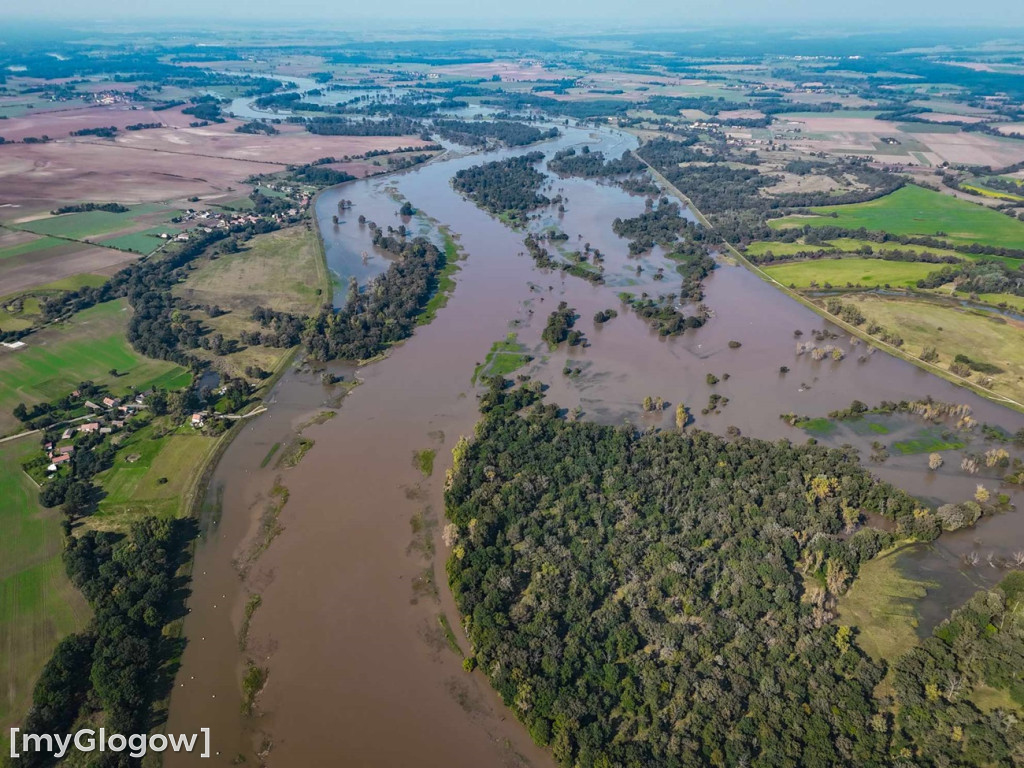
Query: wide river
[(360, 671)]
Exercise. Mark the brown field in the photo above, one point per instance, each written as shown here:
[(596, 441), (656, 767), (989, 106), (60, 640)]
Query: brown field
[(949, 117), (58, 124), (293, 145), (19, 273), (35, 177), (1009, 128), (860, 134)]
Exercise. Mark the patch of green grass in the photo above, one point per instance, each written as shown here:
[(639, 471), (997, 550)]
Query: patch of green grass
[(88, 346), (297, 448), (424, 461), (854, 270), (505, 357), (38, 605), (144, 242), (155, 481), (445, 282), (914, 210), (270, 454), (253, 682), (880, 604), (1014, 302), (928, 440), (449, 635), (818, 426)]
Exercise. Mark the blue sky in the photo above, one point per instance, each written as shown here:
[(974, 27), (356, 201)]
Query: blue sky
[(484, 13)]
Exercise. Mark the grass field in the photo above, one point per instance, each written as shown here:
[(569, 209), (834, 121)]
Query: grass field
[(928, 440), (880, 606), (38, 605), (280, 270), (87, 347), (78, 226), (914, 210), (856, 271), (504, 357), (144, 242), (135, 487), (953, 331)]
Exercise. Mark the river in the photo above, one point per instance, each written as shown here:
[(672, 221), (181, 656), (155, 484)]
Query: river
[(360, 673)]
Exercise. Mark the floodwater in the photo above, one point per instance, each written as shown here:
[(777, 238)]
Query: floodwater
[(360, 673)]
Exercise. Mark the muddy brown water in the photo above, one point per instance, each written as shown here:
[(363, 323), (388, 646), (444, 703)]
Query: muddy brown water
[(360, 673)]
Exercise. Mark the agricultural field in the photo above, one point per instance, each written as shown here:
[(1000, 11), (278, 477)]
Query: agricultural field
[(89, 224), (87, 347), (953, 330), (851, 270), (914, 210), (38, 605)]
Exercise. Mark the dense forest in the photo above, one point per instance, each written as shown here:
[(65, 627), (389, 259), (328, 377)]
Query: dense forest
[(475, 133), (666, 599), (509, 186), (385, 312), (343, 126)]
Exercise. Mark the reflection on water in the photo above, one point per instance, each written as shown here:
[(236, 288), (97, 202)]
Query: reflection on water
[(348, 625)]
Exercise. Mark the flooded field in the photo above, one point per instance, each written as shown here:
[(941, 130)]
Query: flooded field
[(360, 672)]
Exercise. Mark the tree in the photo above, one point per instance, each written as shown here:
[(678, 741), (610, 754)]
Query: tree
[(681, 416), (935, 461)]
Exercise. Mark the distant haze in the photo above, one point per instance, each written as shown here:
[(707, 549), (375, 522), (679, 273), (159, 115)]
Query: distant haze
[(588, 13)]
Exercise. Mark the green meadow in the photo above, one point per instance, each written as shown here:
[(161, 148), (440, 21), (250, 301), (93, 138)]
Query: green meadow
[(87, 347), (504, 357), (151, 474), (38, 605), (914, 210), (857, 271)]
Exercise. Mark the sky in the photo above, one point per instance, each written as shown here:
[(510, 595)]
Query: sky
[(488, 13)]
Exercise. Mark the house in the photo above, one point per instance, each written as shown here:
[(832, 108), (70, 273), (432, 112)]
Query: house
[(109, 402), (61, 459), (92, 426), (197, 420), (64, 449), (67, 433), (91, 404)]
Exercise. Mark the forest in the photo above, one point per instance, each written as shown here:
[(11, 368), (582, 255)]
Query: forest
[(509, 186), (475, 133), (979, 277), (667, 598), (385, 312), (343, 126)]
